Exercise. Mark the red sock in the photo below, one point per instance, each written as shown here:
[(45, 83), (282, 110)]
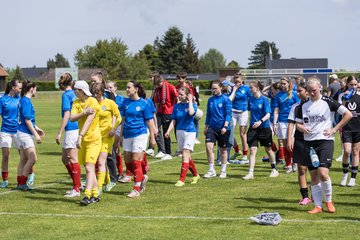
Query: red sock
[(18, 180), (184, 170), (69, 169), (5, 175), (273, 147), (129, 169), (288, 156), (119, 165), (237, 149), (145, 165), (76, 174), (281, 153), (245, 152), (192, 168), (138, 173), (23, 180)]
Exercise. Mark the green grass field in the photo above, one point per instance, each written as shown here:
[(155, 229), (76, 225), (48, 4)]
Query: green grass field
[(212, 209)]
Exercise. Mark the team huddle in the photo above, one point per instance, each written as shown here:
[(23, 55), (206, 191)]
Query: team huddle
[(98, 124)]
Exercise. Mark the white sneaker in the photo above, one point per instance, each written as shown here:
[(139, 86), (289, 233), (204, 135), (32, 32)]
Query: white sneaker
[(244, 160), (160, 155), (294, 167), (274, 173), (197, 141), (210, 174), (288, 169), (222, 174), (249, 177), (150, 152), (344, 180), (339, 158), (72, 193), (133, 194), (351, 182), (125, 179), (109, 186), (167, 157)]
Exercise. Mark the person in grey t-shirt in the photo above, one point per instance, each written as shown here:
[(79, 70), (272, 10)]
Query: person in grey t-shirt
[(334, 87)]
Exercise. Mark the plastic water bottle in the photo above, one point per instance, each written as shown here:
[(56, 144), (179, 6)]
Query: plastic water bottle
[(314, 158)]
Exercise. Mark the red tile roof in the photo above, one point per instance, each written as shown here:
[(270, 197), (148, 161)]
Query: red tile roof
[(3, 73)]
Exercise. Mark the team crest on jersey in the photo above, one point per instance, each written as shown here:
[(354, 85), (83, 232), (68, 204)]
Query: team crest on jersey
[(137, 108), (186, 109), (242, 91), (103, 108), (259, 105), (220, 105), (352, 106)]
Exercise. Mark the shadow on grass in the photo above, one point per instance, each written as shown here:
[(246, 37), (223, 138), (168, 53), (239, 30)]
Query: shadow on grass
[(54, 199), (51, 153), (161, 181)]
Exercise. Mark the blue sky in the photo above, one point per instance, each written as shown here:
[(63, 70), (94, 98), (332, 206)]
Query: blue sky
[(35, 30)]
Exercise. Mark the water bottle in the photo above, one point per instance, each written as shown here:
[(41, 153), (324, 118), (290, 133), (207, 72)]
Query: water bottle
[(314, 158)]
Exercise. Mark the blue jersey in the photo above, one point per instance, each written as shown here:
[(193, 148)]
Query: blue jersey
[(242, 95), (119, 100), (272, 107), (258, 108), (151, 105), (67, 100), (284, 104), (9, 110), (136, 114), (27, 112), (183, 119), (218, 111)]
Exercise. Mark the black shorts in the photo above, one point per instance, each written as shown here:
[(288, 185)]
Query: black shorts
[(350, 137), (324, 149), (300, 148), (262, 135), (216, 136)]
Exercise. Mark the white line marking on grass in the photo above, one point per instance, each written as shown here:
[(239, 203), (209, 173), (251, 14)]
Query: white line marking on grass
[(168, 217)]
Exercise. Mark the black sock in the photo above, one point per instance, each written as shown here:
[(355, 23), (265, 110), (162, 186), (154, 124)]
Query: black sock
[(345, 167), (354, 171), (304, 192), (273, 166)]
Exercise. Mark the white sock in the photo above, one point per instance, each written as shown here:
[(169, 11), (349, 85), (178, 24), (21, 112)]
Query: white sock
[(251, 171), (326, 189), (211, 167), (223, 167), (316, 194)]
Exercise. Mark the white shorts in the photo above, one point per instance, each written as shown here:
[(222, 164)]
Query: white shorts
[(70, 138), (6, 140), (136, 144), (25, 140), (282, 129), (240, 119), (185, 140)]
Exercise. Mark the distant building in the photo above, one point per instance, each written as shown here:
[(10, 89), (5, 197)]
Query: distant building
[(34, 72), (84, 74), (3, 76)]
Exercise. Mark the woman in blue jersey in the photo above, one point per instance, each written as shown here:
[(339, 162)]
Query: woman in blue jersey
[(217, 128), (259, 130), (27, 132), (183, 118), (69, 150), (239, 97), (283, 102), (9, 104), (137, 118)]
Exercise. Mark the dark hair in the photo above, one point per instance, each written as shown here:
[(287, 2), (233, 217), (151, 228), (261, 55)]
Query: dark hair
[(97, 88), (27, 85), (302, 85), (218, 82), (65, 80), (157, 79), (276, 85), (141, 92), (350, 78), (153, 74), (101, 76), (181, 75), (10, 85)]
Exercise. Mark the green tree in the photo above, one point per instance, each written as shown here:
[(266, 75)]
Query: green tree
[(150, 53), (140, 69), (261, 53), (171, 51), (211, 61), (59, 62), (191, 56), (233, 64), (18, 74), (111, 56)]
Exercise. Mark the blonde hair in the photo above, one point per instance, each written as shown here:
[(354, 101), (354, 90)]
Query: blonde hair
[(290, 87)]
